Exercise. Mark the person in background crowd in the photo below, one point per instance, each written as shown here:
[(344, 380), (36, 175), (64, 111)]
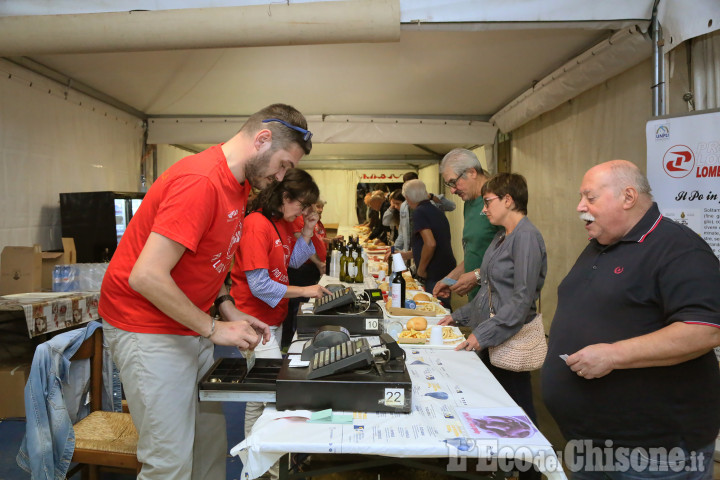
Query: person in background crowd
[(391, 217), (360, 207), (165, 275), (463, 174), (267, 249), (431, 247), (638, 314), (308, 273), (513, 273), (402, 242), (378, 205)]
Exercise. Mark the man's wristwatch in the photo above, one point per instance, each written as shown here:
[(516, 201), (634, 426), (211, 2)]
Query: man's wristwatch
[(478, 280), (222, 299)]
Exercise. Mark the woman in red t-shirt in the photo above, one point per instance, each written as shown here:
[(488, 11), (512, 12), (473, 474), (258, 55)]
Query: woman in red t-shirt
[(268, 246)]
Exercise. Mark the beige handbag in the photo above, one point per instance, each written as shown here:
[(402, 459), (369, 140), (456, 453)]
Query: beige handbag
[(523, 352)]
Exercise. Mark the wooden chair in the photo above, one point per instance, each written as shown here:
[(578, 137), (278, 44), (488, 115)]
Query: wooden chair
[(102, 439)]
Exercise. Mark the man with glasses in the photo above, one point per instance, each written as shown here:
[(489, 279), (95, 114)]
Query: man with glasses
[(463, 174), (166, 274)]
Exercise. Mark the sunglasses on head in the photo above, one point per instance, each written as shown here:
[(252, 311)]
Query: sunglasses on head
[(307, 134)]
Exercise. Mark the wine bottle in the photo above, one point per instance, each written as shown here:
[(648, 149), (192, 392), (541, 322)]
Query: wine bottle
[(352, 265), (328, 257), (397, 288)]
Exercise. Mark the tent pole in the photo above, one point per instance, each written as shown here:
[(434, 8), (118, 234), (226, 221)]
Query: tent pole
[(658, 88)]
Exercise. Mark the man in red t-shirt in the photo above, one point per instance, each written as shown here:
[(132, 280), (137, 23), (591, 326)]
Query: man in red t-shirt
[(167, 272)]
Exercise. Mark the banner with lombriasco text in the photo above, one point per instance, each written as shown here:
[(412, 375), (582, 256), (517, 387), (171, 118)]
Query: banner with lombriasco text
[(683, 167)]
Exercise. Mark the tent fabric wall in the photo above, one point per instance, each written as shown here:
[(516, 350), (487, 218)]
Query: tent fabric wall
[(167, 155), (54, 141), (554, 151), (706, 71), (337, 188)]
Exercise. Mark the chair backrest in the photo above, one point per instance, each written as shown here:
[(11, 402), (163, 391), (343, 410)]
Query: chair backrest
[(92, 349)]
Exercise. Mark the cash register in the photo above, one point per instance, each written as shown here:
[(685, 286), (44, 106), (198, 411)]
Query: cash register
[(342, 307)]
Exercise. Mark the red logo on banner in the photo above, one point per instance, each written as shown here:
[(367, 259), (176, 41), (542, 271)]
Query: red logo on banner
[(619, 270), (678, 161)]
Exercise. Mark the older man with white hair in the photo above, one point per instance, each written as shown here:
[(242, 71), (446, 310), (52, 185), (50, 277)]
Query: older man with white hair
[(431, 249), (638, 314), (463, 174)]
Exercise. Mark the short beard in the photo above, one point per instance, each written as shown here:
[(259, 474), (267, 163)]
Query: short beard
[(256, 170)]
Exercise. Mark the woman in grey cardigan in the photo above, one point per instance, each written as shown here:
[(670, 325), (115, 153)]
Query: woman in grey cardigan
[(513, 268)]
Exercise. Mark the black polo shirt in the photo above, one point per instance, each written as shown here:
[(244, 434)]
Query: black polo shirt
[(428, 216), (659, 273)]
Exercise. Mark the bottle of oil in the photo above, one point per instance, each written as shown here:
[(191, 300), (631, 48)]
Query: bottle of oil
[(343, 263), (359, 261)]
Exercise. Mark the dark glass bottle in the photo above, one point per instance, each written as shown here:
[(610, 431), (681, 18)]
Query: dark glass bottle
[(359, 277), (328, 257), (343, 264), (397, 290), (390, 273), (352, 264)]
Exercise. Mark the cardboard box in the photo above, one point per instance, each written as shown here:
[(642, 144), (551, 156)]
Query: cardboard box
[(13, 378), (67, 256), (20, 270), (331, 229)]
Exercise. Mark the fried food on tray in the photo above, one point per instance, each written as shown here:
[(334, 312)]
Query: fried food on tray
[(449, 333)]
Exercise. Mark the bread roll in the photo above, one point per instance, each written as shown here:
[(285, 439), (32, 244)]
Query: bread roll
[(417, 323), (422, 297)]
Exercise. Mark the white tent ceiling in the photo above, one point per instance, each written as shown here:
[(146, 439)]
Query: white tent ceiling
[(421, 87)]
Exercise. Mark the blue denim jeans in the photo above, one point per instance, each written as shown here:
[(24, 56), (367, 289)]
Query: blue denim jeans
[(644, 463)]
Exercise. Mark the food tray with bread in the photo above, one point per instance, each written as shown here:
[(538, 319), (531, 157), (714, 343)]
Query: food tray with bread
[(417, 333), (425, 304), (410, 284)]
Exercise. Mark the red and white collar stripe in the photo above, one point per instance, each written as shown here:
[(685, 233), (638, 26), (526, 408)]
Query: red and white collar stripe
[(642, 239)]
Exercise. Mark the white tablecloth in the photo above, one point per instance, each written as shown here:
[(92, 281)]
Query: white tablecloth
[(447, 387)]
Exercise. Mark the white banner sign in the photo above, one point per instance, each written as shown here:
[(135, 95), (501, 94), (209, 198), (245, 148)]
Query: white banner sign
[(683, 166)]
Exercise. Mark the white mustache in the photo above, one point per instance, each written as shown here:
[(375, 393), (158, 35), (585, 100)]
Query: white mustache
[(586, 217)]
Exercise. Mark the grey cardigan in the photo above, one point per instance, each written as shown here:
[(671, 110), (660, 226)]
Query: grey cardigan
[(514, 266)]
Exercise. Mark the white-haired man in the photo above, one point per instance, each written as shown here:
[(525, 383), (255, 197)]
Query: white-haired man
[(431, 249), (638, 314)]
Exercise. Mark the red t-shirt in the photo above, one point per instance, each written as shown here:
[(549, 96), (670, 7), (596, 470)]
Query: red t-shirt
[(198, 203), (317, 238), (260, 247)]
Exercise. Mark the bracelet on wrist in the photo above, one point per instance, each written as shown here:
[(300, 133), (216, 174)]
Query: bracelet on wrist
[(212, 329), (222, 299), (478, 280)]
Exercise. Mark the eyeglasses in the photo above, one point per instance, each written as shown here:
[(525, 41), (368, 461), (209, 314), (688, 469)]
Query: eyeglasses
[(305, 205), (307, 134), (487, 201), (453, 183)]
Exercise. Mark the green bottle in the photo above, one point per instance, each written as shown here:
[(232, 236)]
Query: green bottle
[(359, 278), (343, 263)]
